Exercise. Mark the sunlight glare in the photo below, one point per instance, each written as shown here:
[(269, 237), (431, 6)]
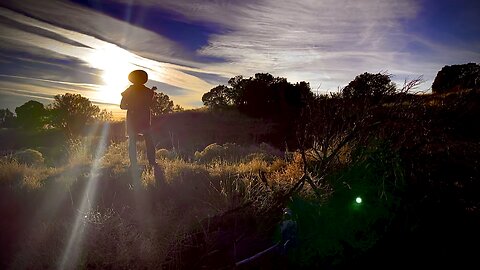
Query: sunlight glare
[(116, 64), (74, 247)]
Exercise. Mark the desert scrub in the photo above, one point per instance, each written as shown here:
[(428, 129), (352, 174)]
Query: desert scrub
[(116, 157), (83, 150), (234, 153), (286, 173), (246, 167), (29, 157), (217, 184), (253, 166), (188, 180), (366, 196), (165, 154), (16, 175)]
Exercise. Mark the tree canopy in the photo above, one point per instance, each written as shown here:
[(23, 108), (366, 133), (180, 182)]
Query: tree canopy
[(262, 96), (72, 112), (267, 97), (457, 77), (7, 118), (161, 104), (370, 86), (31, 115), (219, 97)]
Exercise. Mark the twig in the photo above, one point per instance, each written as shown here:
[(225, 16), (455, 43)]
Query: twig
[(295, 187), (314, 186), (256, 256), (264, 179)]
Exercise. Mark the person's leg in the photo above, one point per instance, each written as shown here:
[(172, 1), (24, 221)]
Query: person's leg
[(157, 170), (132, 148), (150, 147)]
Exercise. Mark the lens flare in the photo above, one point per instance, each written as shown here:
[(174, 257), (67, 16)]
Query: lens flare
[(74, 245), (358, 200), (115, 63)]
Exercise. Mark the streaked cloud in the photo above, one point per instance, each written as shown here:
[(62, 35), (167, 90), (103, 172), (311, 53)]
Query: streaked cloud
[(95, 53), (325, 42)]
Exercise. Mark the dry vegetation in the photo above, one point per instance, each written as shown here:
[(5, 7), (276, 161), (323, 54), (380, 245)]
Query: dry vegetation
[(413, 160), (128, 224)]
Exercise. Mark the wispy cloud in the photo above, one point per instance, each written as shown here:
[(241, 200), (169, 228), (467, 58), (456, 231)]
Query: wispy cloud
[(92, 87), (68, 15), (99, 54), (325, 42)]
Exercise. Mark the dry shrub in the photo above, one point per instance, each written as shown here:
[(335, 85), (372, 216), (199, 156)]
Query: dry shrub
[(114, 237), (165, 154), (11, 173), (81, 151), (34, 178), (286, 176), (210, 153), (29, 157), (134, 244), (116, 157), (16, 175), (253, 166), (231, 152), (277, 164)]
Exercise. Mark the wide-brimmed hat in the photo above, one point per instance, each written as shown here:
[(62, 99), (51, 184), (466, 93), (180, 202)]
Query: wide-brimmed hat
[(138, 76)]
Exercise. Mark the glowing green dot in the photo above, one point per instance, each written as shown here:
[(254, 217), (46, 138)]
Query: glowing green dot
[(358, 200)]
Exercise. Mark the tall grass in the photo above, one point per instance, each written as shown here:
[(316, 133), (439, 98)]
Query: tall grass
[(127, 224)]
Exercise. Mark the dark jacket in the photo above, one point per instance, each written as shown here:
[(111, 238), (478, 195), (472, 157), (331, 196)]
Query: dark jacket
[(137, 100)]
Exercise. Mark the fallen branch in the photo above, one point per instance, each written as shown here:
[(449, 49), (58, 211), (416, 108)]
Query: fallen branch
[(258, 255)]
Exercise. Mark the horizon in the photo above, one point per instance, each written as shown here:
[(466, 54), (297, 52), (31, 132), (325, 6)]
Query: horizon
[(188, 47)]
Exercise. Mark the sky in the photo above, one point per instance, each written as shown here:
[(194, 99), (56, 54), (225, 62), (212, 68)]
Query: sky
[(187, 47)]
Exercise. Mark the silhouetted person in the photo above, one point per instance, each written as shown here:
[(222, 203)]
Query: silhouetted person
[(137, 100)]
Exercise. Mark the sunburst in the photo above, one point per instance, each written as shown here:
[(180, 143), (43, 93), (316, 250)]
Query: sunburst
[(115, 64)]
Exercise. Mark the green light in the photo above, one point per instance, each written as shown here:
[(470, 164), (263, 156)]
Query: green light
[(358, 200)]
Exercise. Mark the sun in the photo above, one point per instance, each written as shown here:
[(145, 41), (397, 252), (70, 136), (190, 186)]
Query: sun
[(114, 83), (115, 64)]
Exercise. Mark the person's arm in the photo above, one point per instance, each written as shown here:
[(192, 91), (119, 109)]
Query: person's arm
[(124, 103)]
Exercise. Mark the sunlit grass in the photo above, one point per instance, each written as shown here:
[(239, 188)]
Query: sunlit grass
[(155, 218), (16, 175)]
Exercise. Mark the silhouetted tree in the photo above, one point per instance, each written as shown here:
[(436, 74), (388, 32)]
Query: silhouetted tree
[(237, 86), (7, 118), (261, 96), (256, 97), (457, 77), (219, 97), (161, 104), (31, 115), (369, 86), (72, 112), (104, 116), (264, 96), (178, 108)]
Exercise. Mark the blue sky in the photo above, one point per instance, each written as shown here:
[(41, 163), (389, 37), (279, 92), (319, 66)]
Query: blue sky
[(188, 47)]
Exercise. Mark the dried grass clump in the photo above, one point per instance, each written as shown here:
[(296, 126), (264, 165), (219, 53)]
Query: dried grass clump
[(17, 175), (234, 153), (29, 157)]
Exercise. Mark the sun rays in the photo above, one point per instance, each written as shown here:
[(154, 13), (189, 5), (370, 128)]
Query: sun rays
[(74, 245), (115, 64)]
